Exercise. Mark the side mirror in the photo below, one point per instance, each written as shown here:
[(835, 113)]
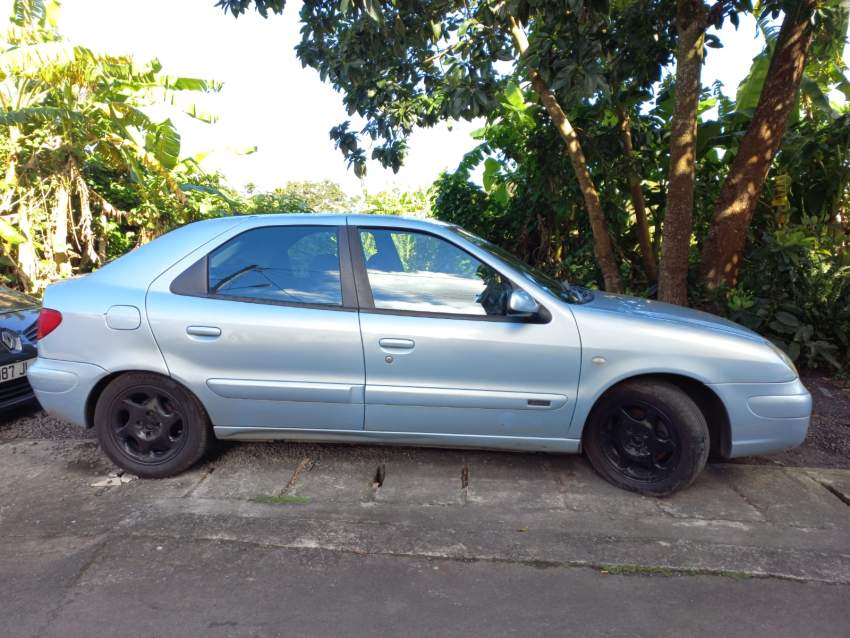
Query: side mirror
[(521, 303)]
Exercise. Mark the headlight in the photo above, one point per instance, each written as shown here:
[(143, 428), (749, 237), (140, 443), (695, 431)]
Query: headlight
[(784, 356)]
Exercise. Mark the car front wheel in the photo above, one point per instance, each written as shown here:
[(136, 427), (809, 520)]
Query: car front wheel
[(648, 437), (150, 425)]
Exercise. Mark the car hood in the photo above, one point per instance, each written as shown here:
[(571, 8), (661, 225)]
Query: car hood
[(660, 311), (12, 300)]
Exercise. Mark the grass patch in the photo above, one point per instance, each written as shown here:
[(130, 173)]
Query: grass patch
[(281, 499), (628, 570), (643, 570)]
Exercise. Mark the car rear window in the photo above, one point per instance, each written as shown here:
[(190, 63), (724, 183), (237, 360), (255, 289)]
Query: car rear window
[(295, 264)]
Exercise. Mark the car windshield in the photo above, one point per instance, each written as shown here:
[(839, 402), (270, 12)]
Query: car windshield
[(567, 292)]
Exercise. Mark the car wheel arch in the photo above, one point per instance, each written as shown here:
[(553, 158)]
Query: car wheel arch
[(100, 386), (712, 407)]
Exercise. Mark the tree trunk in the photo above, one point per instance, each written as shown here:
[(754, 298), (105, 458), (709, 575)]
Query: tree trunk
[(638, 202), (602, 247), (721, 255), (678, 216), (61, 210)]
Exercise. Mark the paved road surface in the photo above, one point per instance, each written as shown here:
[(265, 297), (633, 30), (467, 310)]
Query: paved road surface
[(310, 540)]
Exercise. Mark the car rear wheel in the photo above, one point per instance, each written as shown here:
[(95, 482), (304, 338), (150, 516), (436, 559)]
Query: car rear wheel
[(150, 425), (648, 437)]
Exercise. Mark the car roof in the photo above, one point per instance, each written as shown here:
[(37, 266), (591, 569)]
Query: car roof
[(354, 219)]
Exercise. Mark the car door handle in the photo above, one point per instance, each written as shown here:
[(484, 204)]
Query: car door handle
[(203, 331), (397, 344)]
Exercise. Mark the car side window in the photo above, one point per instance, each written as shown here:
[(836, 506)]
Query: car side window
[(420, 272), (295, 264)]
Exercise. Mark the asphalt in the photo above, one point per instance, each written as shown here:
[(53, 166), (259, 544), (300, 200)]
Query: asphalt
[(312, 540)]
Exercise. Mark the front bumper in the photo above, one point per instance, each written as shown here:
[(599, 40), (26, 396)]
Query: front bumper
[(15, 393), (765, 417), (63, 387)]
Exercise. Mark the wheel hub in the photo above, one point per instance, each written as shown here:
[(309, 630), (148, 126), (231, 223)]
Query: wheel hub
[(634, 444), (148, 425), (148, 428), (638, 441)]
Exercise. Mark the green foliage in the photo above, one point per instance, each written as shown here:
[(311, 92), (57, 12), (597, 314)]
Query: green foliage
[(459, 201), (328, 197), (299, 197), (84, 164), (414, 203), (797, 281), (10, 234), (797, 271), (531, 203), (281, 499)]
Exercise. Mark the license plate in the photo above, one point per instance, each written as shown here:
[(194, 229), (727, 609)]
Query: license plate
[(14, 371)]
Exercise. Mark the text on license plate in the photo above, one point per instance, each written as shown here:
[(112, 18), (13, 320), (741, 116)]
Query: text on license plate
[(15, 370)]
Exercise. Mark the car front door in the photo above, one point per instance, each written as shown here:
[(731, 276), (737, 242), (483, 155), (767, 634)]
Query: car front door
[(442, 353), (263, 328)]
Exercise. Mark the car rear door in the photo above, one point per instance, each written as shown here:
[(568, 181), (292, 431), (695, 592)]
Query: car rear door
[(442, 354), (263, 328)]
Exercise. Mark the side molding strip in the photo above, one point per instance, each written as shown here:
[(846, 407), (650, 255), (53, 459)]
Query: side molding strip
[(452, 398), (286, 390)]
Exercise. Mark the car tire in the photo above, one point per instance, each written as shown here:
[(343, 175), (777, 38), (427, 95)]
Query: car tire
[(648, 437), (151, 426)]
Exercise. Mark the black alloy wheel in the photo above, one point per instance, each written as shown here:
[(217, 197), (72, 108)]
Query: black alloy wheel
[(647, 436), (150, 425), (147, 424), (640, 441)]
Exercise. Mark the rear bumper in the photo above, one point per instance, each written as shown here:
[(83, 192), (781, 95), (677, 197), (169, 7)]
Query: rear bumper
[(765, 417), (63, 387)]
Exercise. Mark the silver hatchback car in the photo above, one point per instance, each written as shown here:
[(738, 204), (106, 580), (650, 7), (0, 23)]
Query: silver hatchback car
[(374, 329)]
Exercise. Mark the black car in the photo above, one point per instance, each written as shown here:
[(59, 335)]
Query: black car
[(18, 338)]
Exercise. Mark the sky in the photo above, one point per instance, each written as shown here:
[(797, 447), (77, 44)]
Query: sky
[(269, 101)]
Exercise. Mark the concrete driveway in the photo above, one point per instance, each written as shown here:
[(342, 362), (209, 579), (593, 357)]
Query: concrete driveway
[(311, 540)]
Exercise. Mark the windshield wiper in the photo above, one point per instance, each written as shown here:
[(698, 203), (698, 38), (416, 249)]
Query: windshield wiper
[(577, 294)]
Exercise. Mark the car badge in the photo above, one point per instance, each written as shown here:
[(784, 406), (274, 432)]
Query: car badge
[(11, 339)]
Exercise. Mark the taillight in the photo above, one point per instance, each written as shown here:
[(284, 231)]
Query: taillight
[(48, 321)]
